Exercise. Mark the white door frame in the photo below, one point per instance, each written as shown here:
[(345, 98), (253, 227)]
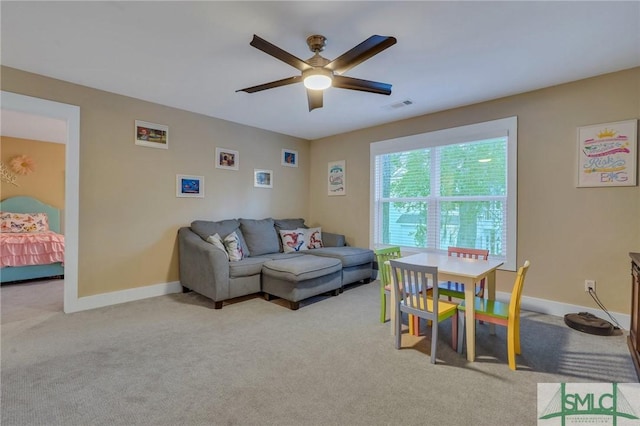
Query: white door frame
[(70, 114)]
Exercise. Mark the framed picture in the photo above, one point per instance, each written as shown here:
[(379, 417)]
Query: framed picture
[(227, 159), (262, 178), (607, 154), (152, 135), (289, 158), (337, 182), (188, 186)]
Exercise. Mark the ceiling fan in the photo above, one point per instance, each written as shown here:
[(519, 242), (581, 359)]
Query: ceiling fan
[(318, 73)]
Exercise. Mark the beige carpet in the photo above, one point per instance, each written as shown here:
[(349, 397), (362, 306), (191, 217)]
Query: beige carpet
[(173, 360)]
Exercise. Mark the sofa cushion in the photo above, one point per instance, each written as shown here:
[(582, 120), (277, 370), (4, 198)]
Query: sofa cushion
[(260, 236), (276, 256), (206, 228), (233, 247), (217, 241), (349, 256), (246, 267), (313, 238), (289, 223), (301, 268), (293, 240)]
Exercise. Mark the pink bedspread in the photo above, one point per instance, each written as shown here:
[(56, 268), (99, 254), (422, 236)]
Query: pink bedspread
[(38, 248)]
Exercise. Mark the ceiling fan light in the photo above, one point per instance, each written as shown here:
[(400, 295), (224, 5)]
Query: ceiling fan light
[(317, 79)]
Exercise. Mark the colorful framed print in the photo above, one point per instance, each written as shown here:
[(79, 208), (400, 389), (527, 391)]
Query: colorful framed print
[(227, 159), (607, 154), (262, 178), (289, 158), (188, 186), (337, 182), (151, 135)]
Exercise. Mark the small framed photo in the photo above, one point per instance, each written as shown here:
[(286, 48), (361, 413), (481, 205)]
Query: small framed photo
[(262, 178), (227, 159), (152, 135), (188, 186), (289, 158)]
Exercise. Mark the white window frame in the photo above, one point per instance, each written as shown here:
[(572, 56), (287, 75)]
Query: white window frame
[(474, 132)]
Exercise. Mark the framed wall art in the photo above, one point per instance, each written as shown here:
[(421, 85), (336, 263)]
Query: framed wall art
[(151, 135), (607, 154), (188, 186), (227, 159), (262, 178), (289, 158), (337, 178)]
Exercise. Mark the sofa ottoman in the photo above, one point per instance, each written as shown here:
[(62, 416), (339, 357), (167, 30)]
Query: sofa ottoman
[(301, 277)]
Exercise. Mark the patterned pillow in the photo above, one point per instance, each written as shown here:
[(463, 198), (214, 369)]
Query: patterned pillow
[(24, 222), (293, 240), (217, 241), (233, 246), (313, 238)]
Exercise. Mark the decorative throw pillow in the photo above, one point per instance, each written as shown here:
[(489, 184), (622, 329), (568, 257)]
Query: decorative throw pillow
[(233, 246), (313, 238), (293, 240), (217, 241), (24, 222)]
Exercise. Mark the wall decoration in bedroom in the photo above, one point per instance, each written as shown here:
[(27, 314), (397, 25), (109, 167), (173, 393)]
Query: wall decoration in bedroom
[(262, 178), (607, 154), (151, 135), (22, 164), (289, 158), (227, 159), (337, 178), (188, 186), (7, 175)]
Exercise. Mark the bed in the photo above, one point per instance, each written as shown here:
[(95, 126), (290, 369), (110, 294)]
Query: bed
[(32, 246)]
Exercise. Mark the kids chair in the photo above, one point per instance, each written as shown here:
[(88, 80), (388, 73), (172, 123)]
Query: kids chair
[(411, 284), (454, 289), (505, 314)]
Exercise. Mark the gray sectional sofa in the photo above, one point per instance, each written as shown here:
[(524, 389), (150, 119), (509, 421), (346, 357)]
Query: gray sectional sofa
[(206, 269)]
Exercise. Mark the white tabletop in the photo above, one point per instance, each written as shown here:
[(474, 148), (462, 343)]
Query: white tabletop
[(459, 266)]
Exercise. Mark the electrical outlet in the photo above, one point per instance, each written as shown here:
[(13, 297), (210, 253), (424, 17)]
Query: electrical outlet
[(589, 285)]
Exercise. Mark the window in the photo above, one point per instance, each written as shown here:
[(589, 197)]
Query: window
[(454, 187)]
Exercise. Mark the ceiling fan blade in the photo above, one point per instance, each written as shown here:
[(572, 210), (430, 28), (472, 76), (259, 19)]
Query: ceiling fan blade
[(343, 82), (368, 48), (315, 99), (276, 52), (271, 85)]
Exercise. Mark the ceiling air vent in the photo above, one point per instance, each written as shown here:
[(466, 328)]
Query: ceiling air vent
[(401, 104)]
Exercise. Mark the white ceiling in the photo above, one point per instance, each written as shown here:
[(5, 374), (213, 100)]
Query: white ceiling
[(194, 55), (28, 126)]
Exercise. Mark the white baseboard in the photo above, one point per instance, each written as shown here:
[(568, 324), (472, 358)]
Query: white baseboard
[(123, 296), (560, 309)]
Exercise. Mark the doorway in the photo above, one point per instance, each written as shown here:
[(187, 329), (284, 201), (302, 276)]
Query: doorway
[(71, 115)]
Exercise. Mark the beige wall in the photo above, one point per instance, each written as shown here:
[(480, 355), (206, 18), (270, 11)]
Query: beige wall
[(569, 234), (129, 213), (46, 183)]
